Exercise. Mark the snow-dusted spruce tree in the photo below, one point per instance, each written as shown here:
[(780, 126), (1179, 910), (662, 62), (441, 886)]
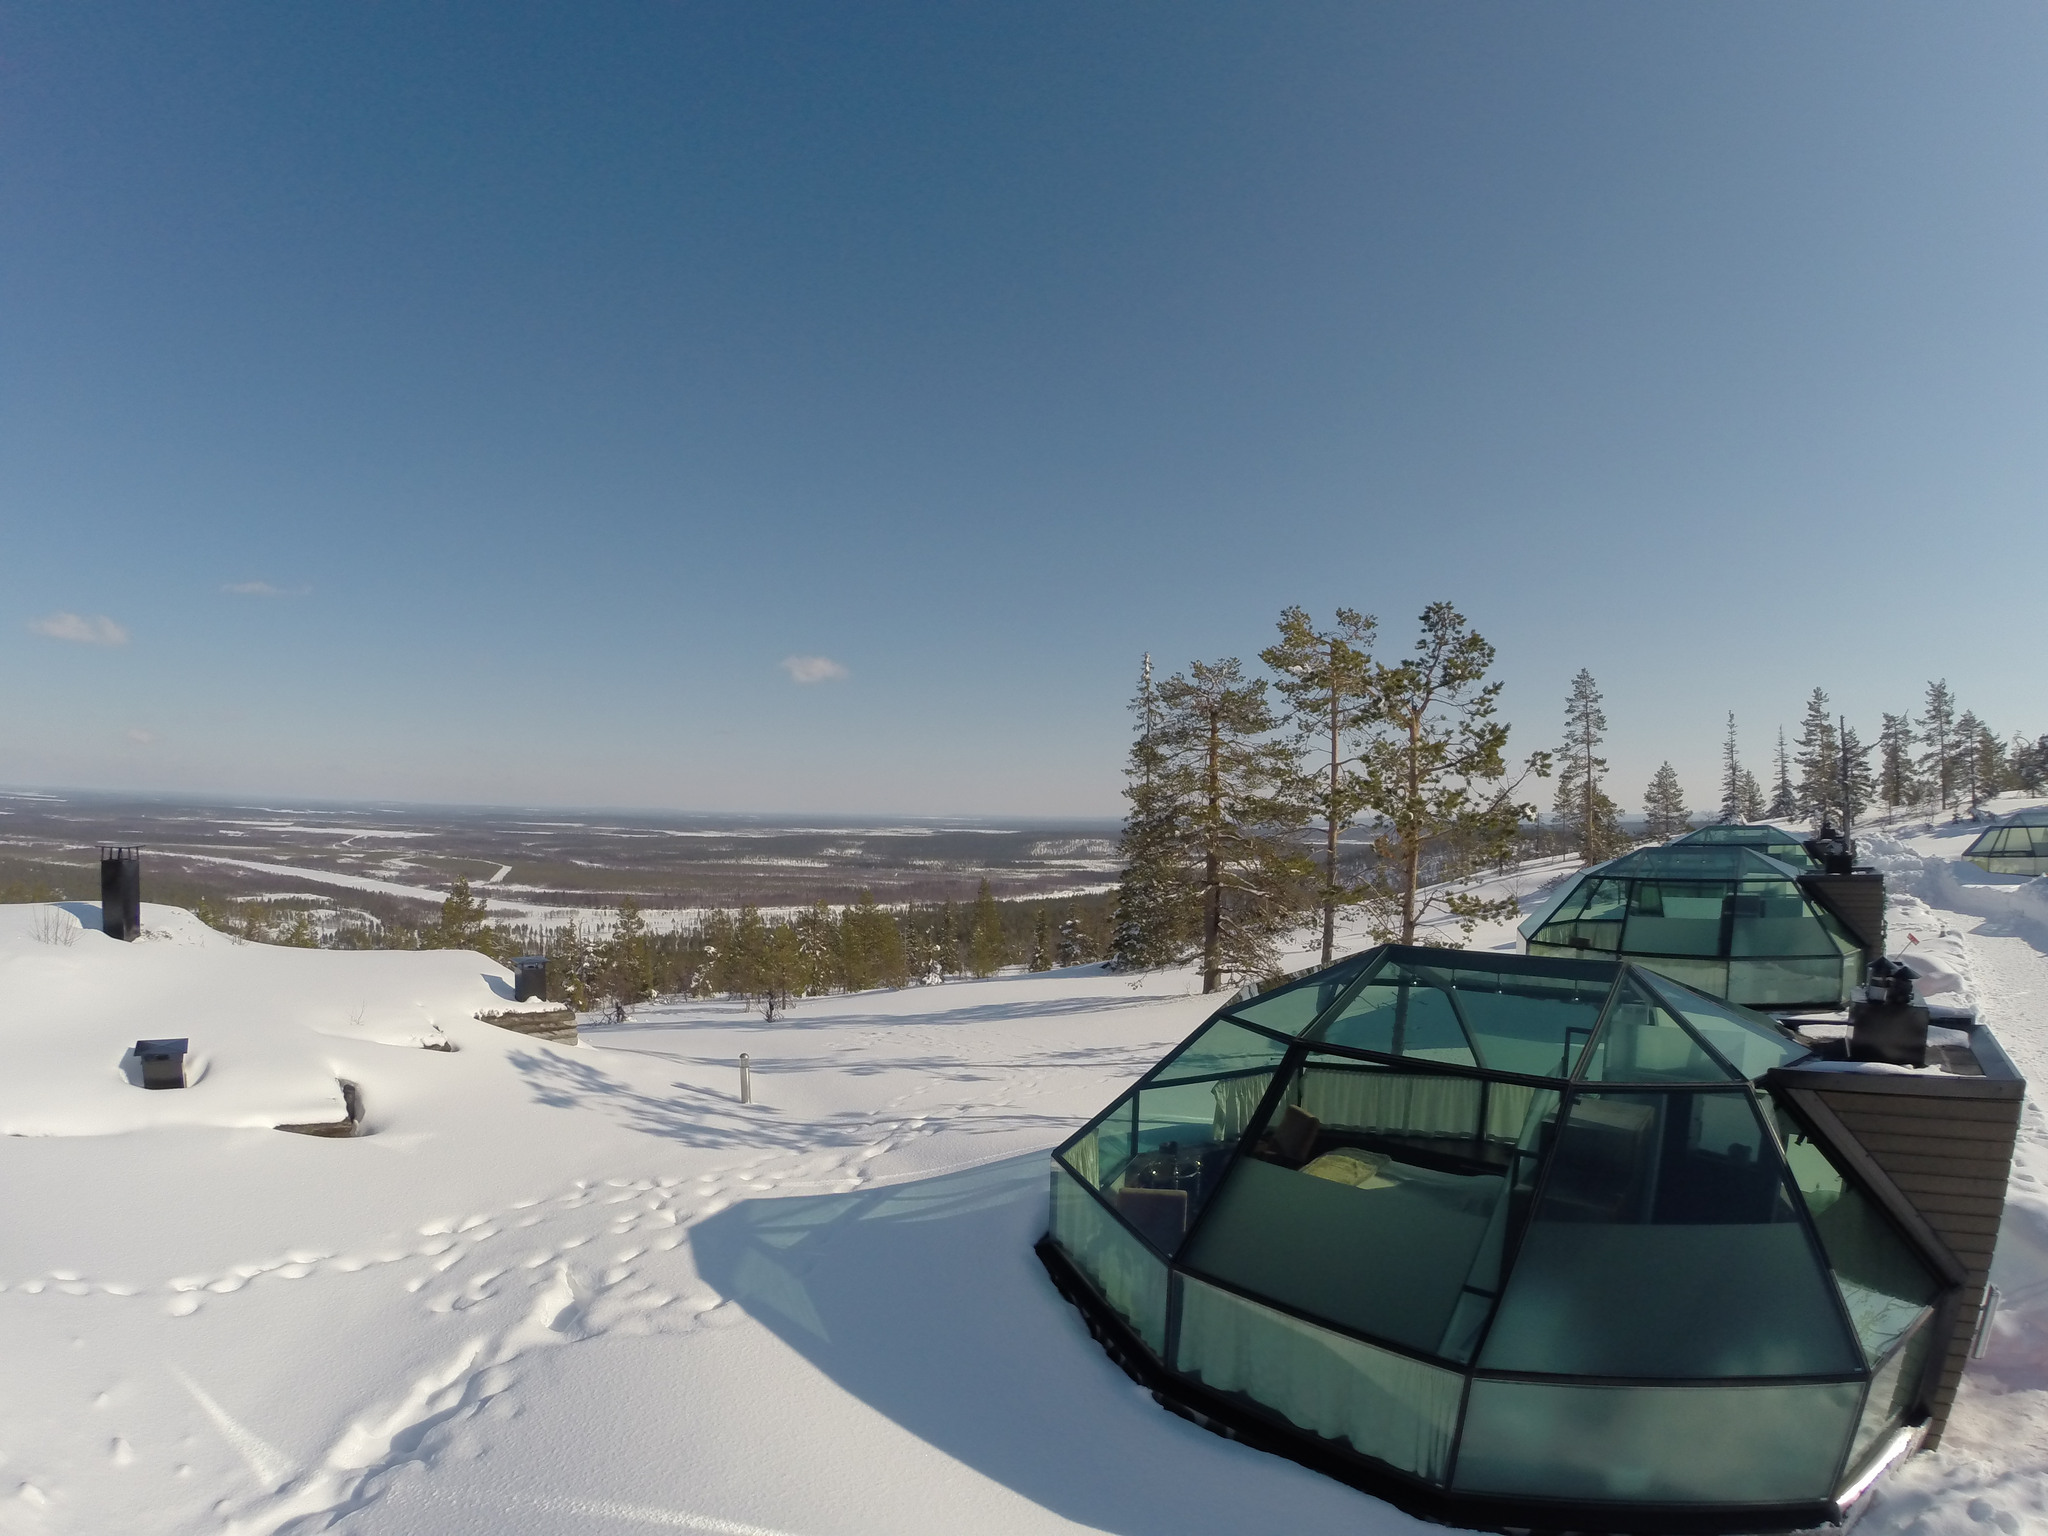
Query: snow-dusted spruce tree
[(1664, 806), (1232, 784), (987, 952), (1582, 807), (1784, 798), (1937, 735), (1855, 785), (1753, 804), (1819, 765), (1897, 784), (1326, 678), (2030, 764), (1041, 941), (1734, 793), (1156, 916), (1435, 775), (1072, 948)]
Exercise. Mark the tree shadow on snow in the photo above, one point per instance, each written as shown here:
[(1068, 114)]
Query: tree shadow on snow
[(703, 1117), (925, 1301)]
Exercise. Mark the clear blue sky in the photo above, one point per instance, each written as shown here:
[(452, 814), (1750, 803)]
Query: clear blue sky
[(551, 376)]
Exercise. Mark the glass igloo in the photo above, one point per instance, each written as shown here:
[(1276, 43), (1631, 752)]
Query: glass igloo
[(1727, 920), (1773, 842), (1509, 1241), (2017, 845)]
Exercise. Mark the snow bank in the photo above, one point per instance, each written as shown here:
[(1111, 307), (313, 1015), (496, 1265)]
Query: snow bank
[(264, 1022)]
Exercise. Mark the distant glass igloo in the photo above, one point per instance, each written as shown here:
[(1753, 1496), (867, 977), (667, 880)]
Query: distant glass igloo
[(1511, 1241), (2017, 845), (1728, 920), (1772, 842)]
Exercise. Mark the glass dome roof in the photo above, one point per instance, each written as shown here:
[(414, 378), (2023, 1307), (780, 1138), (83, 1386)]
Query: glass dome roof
[(1725, 918), (2015, 845), (1786, 847), (1514, 1240)]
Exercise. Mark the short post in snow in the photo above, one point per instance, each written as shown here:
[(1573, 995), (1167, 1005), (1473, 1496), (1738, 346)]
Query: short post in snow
[(746, 1081)]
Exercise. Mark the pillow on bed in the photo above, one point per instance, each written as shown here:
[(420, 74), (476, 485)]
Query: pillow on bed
[(1361, 1170)]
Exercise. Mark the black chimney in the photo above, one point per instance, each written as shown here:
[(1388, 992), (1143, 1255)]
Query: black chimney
[(120, 892)]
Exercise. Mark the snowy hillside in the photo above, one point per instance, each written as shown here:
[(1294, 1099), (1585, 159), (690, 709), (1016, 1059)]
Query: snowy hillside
[(583, 1289)]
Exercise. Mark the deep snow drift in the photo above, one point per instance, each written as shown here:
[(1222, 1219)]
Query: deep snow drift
[(583, 1289)]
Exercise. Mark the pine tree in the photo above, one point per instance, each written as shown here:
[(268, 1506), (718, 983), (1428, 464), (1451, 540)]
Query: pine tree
[(1819, 762), (1734, 789), (1979, 760), (817, 968), (1855, 785), (1326, 678), (986, 951), (1752, 797), (464, 919), (1664, 806), (1583, 809), (1896, 783), (2030, 764), (1156, 914), (1937, 734), (1041, 941), (1784, 798), (1073, 941), (1435, 779), (1230, 785)]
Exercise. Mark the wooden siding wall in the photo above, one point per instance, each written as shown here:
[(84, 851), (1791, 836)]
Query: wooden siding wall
[(1949, 1155)]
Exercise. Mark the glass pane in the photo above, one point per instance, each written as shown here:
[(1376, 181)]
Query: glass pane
[(1677, 1445), (1749, 1042), (1702, 975), (1883, 1282), (1775, 918), (1642, 1043), (1814, 983), (1589, 918), (1125, 1273), (1666, 1245), (1385, 1405), (1893, 1391), (1182, 1138), (1676, 918), (1223, 1048), (1365, 1201), (1397, 1015), (1292, 1008)]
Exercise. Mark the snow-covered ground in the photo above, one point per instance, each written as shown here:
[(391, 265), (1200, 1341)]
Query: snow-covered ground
[(584, 1289)]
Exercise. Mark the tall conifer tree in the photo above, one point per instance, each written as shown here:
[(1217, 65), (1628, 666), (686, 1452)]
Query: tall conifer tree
[(1819, 762), (1896, 783), (1937, 734), (1583, 808), (1232, 784), (1326, 678), (1784, 798), (1735, 779), (1156, 910), (987, 952), (1435, 777), (1664, 807)]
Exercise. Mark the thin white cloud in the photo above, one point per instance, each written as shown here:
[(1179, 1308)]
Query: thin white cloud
[(812, 669), (141, 737), (263, 589), (80, 629)]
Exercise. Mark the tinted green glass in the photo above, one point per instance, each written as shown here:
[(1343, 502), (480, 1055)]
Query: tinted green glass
[(1749, 1042), (1666, 1245), (1884, 1284), (1590, 918), (1642, 1042), (1219, 1048), (1894, 1394), (1676, 917), (1732, 1445), (1125, 1273), (1397, 1015), (1385, 1405), (1818, 982), (1292, 1008), (1701, 975)]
